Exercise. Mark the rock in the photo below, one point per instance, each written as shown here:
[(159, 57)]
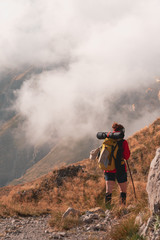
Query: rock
[(144, 230), (62, 234), (153, 184), (94, 153), (139, 219), (89, 218), (92, 215), (71, 211), (146, 227), (131, 207), (58, 235), (150, 230), (95, 226), (108, 215), (97, 210), (2, 234), (141, 229), (99, 227)]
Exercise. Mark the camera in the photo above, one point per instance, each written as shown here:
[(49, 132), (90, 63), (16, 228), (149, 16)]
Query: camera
[(113, 135)]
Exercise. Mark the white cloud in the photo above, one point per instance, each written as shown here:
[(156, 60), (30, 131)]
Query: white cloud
[(107, 45)]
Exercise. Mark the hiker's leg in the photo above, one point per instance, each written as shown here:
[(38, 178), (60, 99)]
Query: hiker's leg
[(122, 181), (110, 182), (109, 189), (109, 186), (123, 187), (123, 192), (123, 196)]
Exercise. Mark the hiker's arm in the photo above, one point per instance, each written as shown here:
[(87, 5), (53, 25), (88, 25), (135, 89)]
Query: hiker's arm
[(113, 135), (126, 150)]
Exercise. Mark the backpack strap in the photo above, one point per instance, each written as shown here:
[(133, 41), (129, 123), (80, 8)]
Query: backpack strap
[(119, 154), (112, 154)]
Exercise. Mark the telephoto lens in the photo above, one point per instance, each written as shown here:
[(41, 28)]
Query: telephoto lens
[(102, 135), (113, 135)]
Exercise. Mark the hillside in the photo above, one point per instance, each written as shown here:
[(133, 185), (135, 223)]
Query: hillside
[(143, 145), (16, 155), (63, 153), (21, 162), (81, 185), (143, 150)]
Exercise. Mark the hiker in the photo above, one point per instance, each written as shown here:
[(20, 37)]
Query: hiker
[(119, 172)]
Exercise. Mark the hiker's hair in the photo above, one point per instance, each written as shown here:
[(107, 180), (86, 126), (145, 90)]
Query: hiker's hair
[(117, 127)]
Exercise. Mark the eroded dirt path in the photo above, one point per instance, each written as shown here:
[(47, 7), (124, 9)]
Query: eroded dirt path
[(37, 228)]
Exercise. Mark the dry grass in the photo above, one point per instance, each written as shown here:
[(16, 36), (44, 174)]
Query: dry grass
[(143, 145), (52, 193), (84, 187), (59, 223), (126, 230)]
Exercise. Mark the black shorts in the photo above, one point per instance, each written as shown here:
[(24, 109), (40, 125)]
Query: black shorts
[(121, 177)]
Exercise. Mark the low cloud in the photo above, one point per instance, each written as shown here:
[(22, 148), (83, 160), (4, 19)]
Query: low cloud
[(95, 50)]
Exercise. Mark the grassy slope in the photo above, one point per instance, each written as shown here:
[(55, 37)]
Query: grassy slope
[(65, 152), (142, 151), (143, 145), (82, 188), (15, 162)]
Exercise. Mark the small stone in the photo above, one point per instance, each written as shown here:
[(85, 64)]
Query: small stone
[(107, 213), (101, 227), (131, 207), (88, 228), (62, 234), (89, 218), (55, 236), (2, 234), (14, 221), (50, 230), (97, 210), (71, 211), (138, 220)]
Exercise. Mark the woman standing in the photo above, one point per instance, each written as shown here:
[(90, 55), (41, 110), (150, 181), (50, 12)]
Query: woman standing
[(119, 173)]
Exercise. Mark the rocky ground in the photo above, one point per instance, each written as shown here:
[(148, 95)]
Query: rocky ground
[(95, 225)]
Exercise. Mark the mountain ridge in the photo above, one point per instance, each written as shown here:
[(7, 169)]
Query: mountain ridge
[(138, 152), (18, 155), (81, 185)]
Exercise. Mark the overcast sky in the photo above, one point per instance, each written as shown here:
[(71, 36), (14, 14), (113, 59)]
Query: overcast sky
[(95, 48)]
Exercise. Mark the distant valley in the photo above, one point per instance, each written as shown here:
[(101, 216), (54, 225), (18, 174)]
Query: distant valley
[(24, 162)]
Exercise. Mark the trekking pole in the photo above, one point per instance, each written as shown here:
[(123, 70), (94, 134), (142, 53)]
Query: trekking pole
[(131, 180)]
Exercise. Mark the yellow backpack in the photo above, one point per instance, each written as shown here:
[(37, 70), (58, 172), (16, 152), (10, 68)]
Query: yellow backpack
[(108, 154)]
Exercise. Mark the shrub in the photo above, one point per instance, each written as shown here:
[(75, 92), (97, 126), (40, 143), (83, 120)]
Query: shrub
[(59, 223), (126, 230)]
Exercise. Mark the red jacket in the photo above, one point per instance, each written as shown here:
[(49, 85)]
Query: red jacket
[(125, 155)]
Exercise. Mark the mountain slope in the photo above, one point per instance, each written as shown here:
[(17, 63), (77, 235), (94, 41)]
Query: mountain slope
[(82, 185), (65, 152), (17, 155), (143, 145)]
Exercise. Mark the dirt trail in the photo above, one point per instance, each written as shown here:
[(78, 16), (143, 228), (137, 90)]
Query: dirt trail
[(37, 228)]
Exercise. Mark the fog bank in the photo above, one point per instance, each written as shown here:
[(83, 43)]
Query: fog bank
[(94, 49)]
